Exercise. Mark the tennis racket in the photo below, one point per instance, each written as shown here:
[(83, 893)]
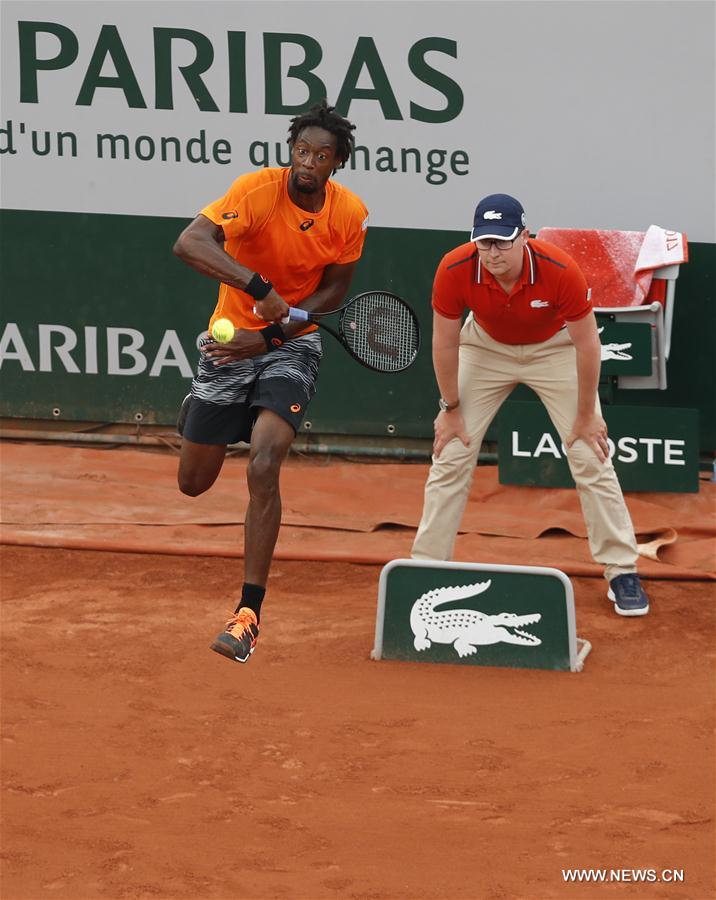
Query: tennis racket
[(377, 328)]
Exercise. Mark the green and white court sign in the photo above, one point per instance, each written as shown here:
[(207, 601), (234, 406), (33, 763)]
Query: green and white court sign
[(652, 448), (477, 614)]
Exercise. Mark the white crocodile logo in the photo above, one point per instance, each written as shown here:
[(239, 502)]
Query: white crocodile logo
[(615, 351), (466, 629)]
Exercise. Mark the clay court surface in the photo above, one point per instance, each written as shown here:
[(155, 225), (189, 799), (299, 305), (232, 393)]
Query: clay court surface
[(139, 764)]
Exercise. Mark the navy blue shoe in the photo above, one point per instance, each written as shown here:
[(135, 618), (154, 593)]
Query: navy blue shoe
[(628, 596)]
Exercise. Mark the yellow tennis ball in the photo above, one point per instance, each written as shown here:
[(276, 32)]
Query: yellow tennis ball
[(223, 330)]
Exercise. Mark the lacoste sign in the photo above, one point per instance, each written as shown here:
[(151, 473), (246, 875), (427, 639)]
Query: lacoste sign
[(652, 448), (477, 614), (466, 629)]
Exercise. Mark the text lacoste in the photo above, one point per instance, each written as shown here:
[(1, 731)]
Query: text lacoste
[(625, 450)]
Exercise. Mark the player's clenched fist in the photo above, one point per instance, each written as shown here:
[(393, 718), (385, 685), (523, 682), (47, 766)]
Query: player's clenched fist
[(272, 308)]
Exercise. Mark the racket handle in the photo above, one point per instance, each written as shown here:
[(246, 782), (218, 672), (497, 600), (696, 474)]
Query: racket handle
[(294, 315)]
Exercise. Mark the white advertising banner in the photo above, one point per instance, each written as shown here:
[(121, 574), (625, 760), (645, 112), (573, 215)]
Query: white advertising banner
[(595, 114)]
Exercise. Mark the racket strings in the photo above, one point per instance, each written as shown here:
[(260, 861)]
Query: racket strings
[(381, 330)]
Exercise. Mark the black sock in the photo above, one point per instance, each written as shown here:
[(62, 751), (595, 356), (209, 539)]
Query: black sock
[(252, 595)]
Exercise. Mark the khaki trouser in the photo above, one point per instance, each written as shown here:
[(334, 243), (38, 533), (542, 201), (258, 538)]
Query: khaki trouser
[(488, 371)]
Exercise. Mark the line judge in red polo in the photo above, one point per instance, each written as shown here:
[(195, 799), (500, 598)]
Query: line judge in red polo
[(530, 322)]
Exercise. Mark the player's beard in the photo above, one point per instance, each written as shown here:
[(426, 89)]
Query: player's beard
[(306, 187)]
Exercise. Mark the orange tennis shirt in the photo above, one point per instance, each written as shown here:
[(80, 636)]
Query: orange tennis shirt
[(551, 291), (266, 232)]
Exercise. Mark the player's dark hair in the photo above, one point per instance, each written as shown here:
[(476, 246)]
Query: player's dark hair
[(321, 115)]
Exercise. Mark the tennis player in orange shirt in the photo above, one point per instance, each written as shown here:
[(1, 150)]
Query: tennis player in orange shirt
[(277, 238)]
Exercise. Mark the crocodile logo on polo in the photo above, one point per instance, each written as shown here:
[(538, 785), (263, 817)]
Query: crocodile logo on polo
[(466, 629)]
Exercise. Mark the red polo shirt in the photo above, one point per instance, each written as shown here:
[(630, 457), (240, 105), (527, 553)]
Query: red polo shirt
[(551, 291)]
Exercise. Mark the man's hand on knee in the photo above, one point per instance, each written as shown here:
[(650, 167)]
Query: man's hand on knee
[(449, 425), (593, 431)]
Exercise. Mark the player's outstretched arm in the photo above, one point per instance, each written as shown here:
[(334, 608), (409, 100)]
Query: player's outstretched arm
[(201, 246), (332, 290), (328, 296)]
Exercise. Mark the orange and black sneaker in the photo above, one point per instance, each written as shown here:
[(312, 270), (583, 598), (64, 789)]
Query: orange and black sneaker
[(238, 640)]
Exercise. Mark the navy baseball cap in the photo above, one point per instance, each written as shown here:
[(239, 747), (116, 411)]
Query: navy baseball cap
[(498, 216)]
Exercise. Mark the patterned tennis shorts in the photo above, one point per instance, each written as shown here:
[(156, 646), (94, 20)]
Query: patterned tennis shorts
[(225, 400)]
